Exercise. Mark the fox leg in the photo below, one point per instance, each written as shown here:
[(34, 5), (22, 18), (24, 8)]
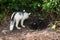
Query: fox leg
[(22, 21), (17, 22)]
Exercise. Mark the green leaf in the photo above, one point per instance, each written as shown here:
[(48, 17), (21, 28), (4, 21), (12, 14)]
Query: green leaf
[(44, 6), (54, 27)]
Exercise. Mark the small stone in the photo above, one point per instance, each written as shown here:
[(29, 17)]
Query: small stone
[(4, 31), (1, 39)]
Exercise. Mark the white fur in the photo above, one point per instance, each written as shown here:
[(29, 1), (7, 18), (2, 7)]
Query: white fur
[(18, 18), (12, 15), (11, 25)]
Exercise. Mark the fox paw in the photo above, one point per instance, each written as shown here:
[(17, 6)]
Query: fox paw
[(18, 28)]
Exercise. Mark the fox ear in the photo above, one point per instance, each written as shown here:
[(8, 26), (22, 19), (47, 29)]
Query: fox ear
[(29, 13), (23, 10)]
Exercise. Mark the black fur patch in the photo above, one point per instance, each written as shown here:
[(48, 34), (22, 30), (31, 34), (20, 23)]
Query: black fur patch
[(20, 13), (13, 16)]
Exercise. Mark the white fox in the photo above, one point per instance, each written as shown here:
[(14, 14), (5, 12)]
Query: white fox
[(16, 17)]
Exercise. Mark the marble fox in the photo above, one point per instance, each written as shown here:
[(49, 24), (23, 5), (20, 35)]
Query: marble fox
[(16, 17)]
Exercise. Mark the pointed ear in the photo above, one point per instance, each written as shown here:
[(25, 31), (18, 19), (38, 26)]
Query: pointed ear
[(23, 10), (29, 13)]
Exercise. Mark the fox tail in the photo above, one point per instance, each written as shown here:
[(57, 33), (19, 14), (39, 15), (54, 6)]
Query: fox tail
[(11, 25)]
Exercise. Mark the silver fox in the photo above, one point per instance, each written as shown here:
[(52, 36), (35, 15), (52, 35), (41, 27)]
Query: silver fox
[(16, 17)]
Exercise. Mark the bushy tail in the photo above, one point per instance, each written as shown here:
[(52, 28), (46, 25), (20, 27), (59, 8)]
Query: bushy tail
[(12, 21), (12, 16), (11, 25)]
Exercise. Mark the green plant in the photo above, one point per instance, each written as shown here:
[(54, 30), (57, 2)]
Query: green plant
[(55, 25), (35, 6)]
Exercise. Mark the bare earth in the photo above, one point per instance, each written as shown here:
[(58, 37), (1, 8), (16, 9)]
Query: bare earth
[(25, 34), (28, 34)]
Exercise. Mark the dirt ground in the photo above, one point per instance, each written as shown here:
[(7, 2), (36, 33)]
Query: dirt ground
[(28, 34)]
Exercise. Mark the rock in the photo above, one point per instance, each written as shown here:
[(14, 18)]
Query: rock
[(1, 39), (4, 31)]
